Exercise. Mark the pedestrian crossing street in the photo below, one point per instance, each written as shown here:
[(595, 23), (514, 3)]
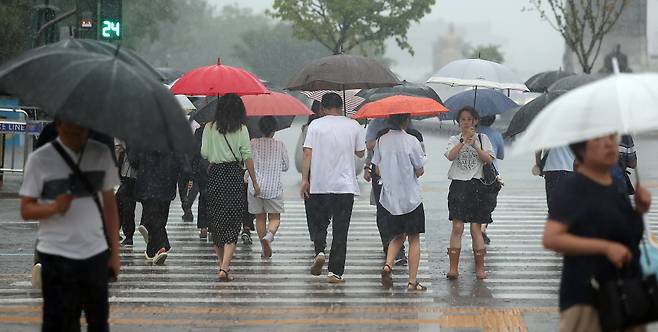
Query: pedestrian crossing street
[(518, 268)]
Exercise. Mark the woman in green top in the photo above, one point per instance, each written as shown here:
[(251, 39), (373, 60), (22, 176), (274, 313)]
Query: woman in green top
[(226, 146)]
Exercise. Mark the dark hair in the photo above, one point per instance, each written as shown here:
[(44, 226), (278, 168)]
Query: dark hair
[(331, 100), (397, 120), (230, 114), (578, 150), (474, 113), (487, 121), (267, 125)]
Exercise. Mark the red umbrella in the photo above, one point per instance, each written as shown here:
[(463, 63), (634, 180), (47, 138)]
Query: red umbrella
[(275, 104), (400, 104), (218, 80)]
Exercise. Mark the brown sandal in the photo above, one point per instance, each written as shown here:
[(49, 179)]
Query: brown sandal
[(226, 277), (415, 287), (387, 276)]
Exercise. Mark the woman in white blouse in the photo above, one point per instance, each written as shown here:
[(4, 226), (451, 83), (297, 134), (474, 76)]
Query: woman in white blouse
[(400, 160), (468, 152)]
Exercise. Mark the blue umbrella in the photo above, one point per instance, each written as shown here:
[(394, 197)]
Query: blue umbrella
[(488, 102)]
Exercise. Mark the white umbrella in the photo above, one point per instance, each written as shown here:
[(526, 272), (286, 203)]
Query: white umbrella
[(352, 101), (478, 73), (622, 103), (184, 102)]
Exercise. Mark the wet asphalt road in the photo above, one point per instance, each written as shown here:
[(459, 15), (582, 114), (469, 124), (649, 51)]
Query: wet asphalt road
[(279, 294)]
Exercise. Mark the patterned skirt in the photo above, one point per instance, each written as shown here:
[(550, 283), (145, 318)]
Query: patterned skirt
[(469, 202), (226, 202)]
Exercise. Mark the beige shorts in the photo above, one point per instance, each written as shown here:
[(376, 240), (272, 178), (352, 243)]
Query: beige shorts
[(584, 318), (261, 205)]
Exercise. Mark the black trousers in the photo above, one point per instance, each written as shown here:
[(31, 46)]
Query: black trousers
[(337, 209), (154, 218), (70, 286), (126, 204), (202, 208), (187, 198), (552, 179)]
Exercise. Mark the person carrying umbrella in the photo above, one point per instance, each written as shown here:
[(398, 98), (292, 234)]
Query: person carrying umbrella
[(400, 161), (225, 144), (468, 153), (329, 149), (78, 239)]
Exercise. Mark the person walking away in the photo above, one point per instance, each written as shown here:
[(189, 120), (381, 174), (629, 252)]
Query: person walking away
[(188, 189), (597, 230), (554, 165), (155, 188), (329, 149), (375, 129), (225, 144), (498, 144), (627, 159), (270, 160), (400, 162), (468, 153), (200, 173), (125, 195), (299, 158), (76, 245)]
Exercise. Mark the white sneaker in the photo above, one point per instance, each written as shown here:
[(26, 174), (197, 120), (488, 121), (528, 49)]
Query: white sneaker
[(333, 278), (145, 233), (160, 257), (36, 276), (318, 263)]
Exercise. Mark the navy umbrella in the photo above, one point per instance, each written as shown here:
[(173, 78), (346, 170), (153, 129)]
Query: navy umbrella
[(541, 81), (488, 102), (100, 92)]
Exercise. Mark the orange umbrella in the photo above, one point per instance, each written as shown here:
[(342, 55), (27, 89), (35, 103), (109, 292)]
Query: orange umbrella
[(415, 106)]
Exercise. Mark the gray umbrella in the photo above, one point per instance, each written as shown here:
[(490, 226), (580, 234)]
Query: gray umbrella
[(102, 93), (342, 72), (406, 88), (528, 112), (574, 81), (541, 81), (105, 48)]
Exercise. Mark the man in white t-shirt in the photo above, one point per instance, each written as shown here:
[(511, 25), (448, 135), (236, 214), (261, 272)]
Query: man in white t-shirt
[(329, 181), (554, 165), (73, 242)]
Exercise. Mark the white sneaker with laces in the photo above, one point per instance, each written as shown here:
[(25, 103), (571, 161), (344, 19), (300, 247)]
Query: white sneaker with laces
[(333, 278)]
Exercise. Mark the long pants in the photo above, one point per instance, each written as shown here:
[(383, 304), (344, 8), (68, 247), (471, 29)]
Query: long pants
[(70, 286), (202, 209), (552, 179), (382, 215), (187, 198), (154, 218), (337, 209), (126, 205)]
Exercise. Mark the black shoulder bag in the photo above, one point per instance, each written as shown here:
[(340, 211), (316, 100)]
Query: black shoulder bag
[(90, 189), (489, 174)]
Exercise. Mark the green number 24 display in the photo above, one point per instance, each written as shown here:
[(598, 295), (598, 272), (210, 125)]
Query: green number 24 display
[(111, 29)]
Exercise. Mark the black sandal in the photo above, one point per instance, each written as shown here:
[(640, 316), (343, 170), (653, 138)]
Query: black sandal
[(387, 276), (415, 287), (226, 277)]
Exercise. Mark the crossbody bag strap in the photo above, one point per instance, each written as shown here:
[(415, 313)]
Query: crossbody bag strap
[(85, 182), (482, 147), (231, 149), (542, 161)]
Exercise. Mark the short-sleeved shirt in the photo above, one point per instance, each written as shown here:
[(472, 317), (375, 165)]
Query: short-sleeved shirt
[(78, 233), (333, 140), (376, 126), (214, 147), (559, 159), (398, 156), (592, 210), (270, 160), (468, 164)]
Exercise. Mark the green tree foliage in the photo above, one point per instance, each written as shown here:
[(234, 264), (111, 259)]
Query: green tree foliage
[(275, 56), (489, 52), (15, 27), (582, 23), (142, 19), (347, 25)]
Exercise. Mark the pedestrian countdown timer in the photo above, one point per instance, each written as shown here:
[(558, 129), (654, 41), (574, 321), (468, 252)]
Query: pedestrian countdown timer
[(111, 25)]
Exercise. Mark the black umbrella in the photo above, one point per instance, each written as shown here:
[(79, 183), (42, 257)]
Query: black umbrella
[(206, 113), (342, 72), (574, 81), (105, 48), (169, 74), (406, 89), (528, 112), (541, 81), (102, 93)]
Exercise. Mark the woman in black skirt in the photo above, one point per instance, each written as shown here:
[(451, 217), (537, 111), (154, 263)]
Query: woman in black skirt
[(225, 145), (400, 160), (467, 202)]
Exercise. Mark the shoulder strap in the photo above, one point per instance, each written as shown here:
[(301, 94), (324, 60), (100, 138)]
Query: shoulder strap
[(231, 149), (85, 182), (542, 162)]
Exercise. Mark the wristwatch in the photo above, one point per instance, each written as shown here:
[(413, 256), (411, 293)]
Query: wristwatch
[(461, 140)]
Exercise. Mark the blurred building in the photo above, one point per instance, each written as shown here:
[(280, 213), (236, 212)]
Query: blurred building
[(449, 47), (630, 32)]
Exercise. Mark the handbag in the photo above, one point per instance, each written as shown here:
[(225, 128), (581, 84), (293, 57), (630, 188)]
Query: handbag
[(490, 177)]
